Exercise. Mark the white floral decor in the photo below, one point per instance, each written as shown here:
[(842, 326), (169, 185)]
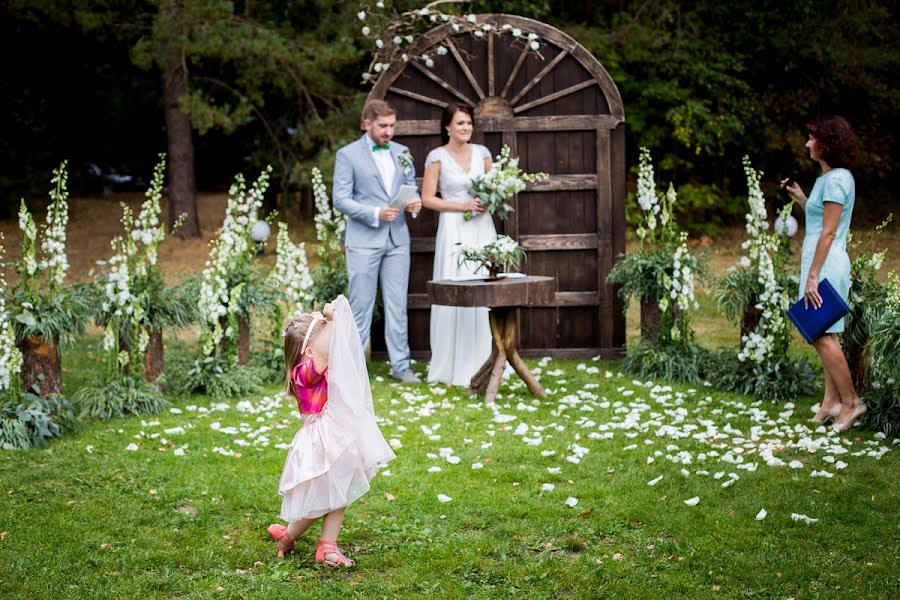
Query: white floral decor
[(10, 356), (771, 335), (392, 32), (228, 267), (291, 273), (54, 261)]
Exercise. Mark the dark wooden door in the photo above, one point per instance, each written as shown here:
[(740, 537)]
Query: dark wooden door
[(561, 114)]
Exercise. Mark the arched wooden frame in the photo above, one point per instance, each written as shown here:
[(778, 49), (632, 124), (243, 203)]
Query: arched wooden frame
[(562, 115)]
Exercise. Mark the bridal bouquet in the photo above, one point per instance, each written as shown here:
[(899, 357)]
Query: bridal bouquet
[(504, 180), (502, 254)]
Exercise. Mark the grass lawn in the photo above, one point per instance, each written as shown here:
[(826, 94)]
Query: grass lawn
[(184, 514)]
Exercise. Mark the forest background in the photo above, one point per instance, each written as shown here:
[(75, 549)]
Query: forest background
[(103, 83)]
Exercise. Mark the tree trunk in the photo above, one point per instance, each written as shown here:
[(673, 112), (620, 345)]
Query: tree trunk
[(41, 365), (650, 315), (154, 361), (243, 340), (182, 196)]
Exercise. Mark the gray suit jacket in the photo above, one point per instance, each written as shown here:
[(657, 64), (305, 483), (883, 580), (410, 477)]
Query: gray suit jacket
[(358, 189)]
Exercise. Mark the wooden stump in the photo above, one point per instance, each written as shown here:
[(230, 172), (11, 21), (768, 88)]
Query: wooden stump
[(242, 341), (858, 361), (41, 365), (750, 320), (650, 316), (154, 362)]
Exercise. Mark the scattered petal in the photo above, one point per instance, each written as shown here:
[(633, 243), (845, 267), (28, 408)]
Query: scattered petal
[(443, 498), (761, 514), (571, 502), (692, 501)]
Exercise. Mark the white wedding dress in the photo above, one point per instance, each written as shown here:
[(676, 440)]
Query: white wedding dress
[(460, 337)]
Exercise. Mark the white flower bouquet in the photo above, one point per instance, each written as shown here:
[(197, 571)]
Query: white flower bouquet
[(502, 254), (503, 181)]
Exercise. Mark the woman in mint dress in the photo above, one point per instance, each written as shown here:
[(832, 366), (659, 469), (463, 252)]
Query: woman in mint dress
[(829, 209)]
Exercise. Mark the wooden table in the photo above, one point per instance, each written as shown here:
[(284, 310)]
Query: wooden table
[(503, 297)]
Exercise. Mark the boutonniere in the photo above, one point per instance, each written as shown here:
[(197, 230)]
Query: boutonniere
[(406, 161)]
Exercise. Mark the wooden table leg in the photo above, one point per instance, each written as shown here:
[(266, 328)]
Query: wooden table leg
[(512, 355), (488, 378)]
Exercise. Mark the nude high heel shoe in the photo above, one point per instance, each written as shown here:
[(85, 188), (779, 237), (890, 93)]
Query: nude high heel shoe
[(832, 414), (855, 416)]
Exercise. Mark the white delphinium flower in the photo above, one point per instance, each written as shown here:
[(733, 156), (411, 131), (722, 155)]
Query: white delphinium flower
[(761, 248), (29, 241), (226, 251), (10, 355), (147, 227), (646, 187), (326, 217), (54, 240), (292, 272), (441, 50)]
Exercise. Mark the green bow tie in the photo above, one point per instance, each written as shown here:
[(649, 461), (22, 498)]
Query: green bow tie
[(377, 147)]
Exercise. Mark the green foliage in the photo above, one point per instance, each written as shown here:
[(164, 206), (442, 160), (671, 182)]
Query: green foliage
[(740, 289), (640, 275), (883, 396), (61, 315), (869, 300), (687, 363), (119, 398), (34, 420), (778, 379), (215, 376), (706, 82)]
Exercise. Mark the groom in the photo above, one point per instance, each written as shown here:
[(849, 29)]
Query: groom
[(367, 177)]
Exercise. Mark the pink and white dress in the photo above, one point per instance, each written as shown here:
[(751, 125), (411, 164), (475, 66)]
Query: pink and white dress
[(339, 448)]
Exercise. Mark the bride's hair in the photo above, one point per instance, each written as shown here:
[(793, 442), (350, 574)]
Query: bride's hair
[(449, 113)]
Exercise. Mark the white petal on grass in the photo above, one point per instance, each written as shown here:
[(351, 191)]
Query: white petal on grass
[(553, 470), (477, 465), (547, 487), (444, 498), (804, 518), (795, 464), (395, 443), (132, 447), (571, 502), (434, 469), (761, 514), (453, 460), (179, 452), (89, 449), (655, 481), (821, 474), (692, 501)]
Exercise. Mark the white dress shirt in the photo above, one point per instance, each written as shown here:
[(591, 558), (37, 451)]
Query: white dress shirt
[(384, 162)]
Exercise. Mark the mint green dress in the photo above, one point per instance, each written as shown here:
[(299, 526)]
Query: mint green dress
[(836, 186)]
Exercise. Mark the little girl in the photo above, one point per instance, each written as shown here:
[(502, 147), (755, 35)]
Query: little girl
[(339, 448)]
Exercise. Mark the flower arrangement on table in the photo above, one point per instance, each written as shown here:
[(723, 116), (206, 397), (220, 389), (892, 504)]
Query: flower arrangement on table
[(502, 254), (503, 181)]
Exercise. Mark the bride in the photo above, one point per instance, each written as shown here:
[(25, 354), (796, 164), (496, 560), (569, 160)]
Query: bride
[(460, 337)]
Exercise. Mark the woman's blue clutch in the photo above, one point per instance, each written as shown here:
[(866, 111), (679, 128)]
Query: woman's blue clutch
[(813, 323)]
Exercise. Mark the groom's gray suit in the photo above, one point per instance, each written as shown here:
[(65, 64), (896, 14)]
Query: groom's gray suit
[(375, 248)]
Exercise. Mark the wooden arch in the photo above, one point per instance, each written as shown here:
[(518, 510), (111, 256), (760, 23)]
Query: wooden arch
[(562, 115)]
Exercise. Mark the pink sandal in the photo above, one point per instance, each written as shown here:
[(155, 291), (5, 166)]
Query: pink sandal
[(332, 548), (279, 533)]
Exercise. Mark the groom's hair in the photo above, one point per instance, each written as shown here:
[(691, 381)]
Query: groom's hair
[(377, 108)]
